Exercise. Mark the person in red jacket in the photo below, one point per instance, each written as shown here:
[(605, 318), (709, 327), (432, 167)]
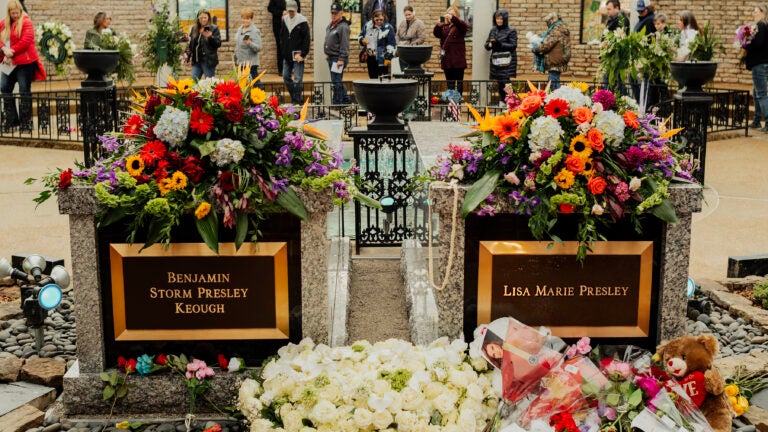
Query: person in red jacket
[(453, 52), (21, 64)]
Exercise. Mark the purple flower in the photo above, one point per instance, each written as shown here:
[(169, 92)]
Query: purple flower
[(278, 185), (622, 191), (255, 110), (261, 133), (283, 157), (338, 159), (316, 168), (109, 143), (340, 188), (604, 98), (272, 124)]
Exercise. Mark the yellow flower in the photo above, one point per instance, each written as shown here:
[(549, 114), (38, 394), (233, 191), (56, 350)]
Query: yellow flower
[(178, 181), (202, 210), (123, 425), (135, 165), (580, 146), (182, 86), (589, 168), (564, 179), (731, 389), (485, 124), (580, 85), (258, 95), (742, 403), (165, 185)]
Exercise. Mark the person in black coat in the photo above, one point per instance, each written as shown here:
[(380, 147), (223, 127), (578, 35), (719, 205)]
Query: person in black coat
[(645, 12), (757, 61), (502, 42), (277, 9), (294, 48), (204, 43), (616, 18)]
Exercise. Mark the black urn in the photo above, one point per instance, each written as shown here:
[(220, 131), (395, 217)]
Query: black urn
[(385, 99), (693, 75), (414, 56), (97, 64)]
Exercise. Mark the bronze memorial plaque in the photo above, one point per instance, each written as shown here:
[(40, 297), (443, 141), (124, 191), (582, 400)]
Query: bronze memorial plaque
[(187, 292), (608, 296)]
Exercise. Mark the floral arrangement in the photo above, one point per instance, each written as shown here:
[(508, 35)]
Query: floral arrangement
[(160, 44), (742, 385), (564, 152), (617, 49), (654, 56), (370, 387), (217, 148), (56, 45), (125, 70), (744, 36)]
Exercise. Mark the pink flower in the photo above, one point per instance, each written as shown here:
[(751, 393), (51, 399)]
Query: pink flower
[(649, 385), (616, 370)]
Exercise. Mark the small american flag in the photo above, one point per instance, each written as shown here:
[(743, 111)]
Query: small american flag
[(454, 109)]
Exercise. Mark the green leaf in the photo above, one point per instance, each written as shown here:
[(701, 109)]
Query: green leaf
[(113, 379), (121, 392), (241, 229), (112, 216), (636, 398), (612, 399), (479, 191), (206, 148), (291, 202), (665, 211), (208, 227), (108, 392), (155, 232), (367, 201), (104, 376)]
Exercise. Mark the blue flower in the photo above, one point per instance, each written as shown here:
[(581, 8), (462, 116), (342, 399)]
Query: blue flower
[(144, 365)]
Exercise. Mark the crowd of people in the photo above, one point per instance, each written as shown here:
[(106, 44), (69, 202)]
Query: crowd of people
[(378, 40)]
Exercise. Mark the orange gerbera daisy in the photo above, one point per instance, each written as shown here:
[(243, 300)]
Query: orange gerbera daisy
[(506, 127), (630, 119), (556, 108), (227, 92)]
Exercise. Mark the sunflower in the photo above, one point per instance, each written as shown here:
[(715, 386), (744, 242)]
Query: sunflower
[(564, 179), (164, 185), (134, 165), (202, 210), (589, 168), (581, 147), (178, 181)]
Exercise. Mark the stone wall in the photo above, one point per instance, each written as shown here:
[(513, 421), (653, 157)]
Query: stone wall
[(131, 16)]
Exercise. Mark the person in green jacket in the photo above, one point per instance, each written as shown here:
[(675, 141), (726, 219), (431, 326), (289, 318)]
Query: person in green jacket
[(93, 37)]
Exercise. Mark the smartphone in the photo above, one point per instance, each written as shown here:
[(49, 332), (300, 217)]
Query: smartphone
[(442, 19), (207, 28), (246, 37)]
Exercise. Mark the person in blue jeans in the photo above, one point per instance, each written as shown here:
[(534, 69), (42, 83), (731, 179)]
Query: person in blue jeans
[(757, 61), (294, 45), (336, 49), (204, 43)]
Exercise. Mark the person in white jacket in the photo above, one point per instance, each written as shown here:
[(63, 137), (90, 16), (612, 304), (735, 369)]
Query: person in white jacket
[(689, 28)]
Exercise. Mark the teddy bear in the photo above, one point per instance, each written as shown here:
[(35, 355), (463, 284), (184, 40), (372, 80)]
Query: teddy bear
[(688, 361)]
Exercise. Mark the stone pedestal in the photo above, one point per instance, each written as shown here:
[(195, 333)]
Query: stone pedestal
[(674, 254), (166, 393)]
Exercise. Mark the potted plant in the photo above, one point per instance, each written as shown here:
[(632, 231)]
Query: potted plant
[(699, 69)]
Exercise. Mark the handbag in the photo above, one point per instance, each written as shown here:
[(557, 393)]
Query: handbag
[(363, 56), (501, 58)]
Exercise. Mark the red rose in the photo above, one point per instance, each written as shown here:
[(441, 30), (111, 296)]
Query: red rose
[(192, 169), (121, 361), (130, 365), (223, 363), (227, 180), (566, 208), (234, 112), (65, 178), (161, 360), (597, 185), (193, 101)]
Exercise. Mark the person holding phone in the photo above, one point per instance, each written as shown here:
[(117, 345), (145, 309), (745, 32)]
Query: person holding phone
[(248, 43), (204, 43), (453, 51)]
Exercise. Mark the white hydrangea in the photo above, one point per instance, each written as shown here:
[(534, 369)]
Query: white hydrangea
[(173, 125), (573, 96), (612, 126), (546, 134), (232, 151), (630, 102)]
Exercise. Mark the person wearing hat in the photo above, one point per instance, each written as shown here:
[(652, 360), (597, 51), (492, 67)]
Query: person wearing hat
[(553, 53), (294, 47), (336, 49), (645, 13), (277, 9)]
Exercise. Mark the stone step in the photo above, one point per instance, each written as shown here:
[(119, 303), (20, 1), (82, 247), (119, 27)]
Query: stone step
[(19, 394), (21, 419), (377, 306)]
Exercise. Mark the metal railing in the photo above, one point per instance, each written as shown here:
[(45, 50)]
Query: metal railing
[(56, 116)]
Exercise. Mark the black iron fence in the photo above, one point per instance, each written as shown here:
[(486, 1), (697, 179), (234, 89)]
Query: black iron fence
[(57, 116)]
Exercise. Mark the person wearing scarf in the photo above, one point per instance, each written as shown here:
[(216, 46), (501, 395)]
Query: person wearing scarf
[(553, 53)]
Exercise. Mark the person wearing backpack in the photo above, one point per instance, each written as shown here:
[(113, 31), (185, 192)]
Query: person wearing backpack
[(553, 53)]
